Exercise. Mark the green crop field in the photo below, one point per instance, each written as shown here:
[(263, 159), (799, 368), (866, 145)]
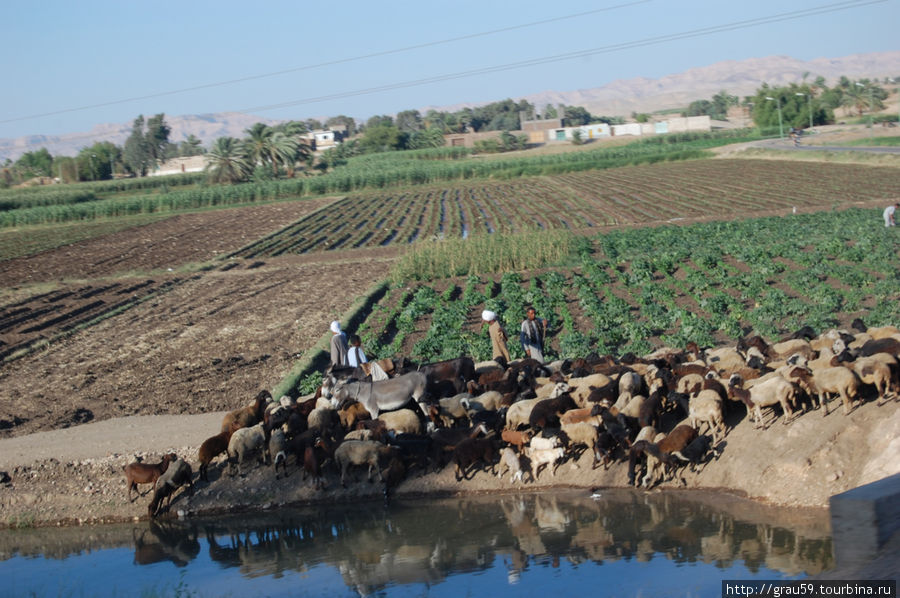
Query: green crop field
[(633, 290)]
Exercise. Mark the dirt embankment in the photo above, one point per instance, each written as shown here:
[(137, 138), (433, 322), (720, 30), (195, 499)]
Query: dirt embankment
[(75, 475)]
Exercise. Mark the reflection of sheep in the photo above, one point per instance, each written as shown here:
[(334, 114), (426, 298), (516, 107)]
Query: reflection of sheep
[(244, 443)]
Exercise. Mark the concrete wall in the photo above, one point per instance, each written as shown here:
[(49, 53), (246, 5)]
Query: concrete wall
[(864, 519), (180, 165)]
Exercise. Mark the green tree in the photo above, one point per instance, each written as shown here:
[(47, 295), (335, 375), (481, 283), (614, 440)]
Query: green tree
[(409, 121), (347, 122), (34, 164), (191, 146), (136, 154), (95, 163), (550, 111), (157, 137), (426, 139), (575, 116), (383, 138), (226, 161), (257, 145), (380, 120)]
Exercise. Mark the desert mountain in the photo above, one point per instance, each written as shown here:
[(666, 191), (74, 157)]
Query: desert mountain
[(620, 97)]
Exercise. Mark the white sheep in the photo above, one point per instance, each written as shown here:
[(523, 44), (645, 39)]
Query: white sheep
[(510, 463), (322, 418), (706, 407), (541, 457), (278, 450), (774, 391), (838, 380), (519, 412), (244, 443), (402, 421), (540, 443), (583, 433), (490, 400)]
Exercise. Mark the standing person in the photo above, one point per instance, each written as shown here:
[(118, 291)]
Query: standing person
[(889, 214), (338, 345), (498, 336), (532, 335), (355, 356)]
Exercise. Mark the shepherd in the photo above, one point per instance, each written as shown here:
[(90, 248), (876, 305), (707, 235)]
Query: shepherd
[(532, 335), (498, 336), (339, 347)]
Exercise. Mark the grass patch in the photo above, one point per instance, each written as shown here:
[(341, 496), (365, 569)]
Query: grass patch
[(25, 241), (485, 254), (875, 142), (841, 157)]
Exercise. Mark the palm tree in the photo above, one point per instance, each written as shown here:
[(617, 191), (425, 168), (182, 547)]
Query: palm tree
[(226, 162), (258, 143), (283, 150)]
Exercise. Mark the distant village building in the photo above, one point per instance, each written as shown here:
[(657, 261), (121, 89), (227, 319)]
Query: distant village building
[(551, 130), (179, 166), (323, 139)]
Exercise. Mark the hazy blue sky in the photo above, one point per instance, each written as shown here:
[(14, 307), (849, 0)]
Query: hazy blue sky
[(60, 56)]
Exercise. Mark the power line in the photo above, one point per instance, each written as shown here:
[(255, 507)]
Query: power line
[(736, 25), (329, 63), (797, 14)]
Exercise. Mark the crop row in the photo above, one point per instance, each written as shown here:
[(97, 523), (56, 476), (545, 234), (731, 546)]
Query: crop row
[(53, 314), (708, 283), (577, 201)]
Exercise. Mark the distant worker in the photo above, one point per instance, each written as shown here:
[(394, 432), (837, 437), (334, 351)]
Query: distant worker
[(338, 345), (355, 356), (532, 335), (889, 214), (498, 336)]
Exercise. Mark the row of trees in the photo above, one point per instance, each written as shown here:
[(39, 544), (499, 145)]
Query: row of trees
[(801, 104), (146, 146), (271, 151)]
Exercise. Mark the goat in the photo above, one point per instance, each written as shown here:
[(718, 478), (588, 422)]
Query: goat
[(177, 475), (145, 473)]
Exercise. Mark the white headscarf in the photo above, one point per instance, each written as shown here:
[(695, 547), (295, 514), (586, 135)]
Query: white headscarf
[(488, 316), (336, 327)]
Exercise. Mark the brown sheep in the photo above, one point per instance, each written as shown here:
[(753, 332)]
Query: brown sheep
[(247, 416), (210, 449), (351, 414), (145, 473), (472, 451)]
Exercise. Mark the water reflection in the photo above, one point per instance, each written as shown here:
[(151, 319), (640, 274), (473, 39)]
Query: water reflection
[(425, 542)]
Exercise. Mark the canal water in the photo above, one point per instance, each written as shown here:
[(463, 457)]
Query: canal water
[(553, 545)]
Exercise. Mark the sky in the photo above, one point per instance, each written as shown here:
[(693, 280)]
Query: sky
[(69, 66)]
